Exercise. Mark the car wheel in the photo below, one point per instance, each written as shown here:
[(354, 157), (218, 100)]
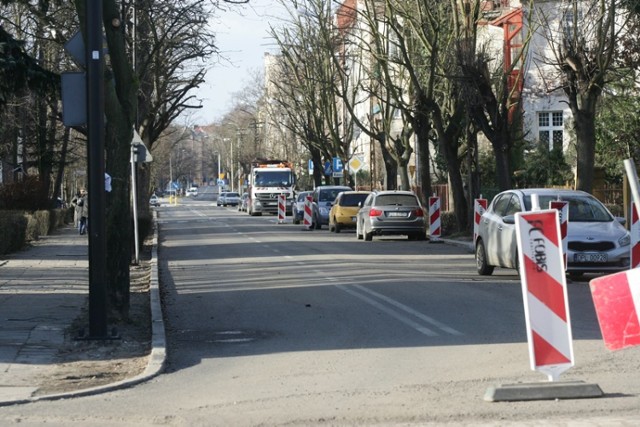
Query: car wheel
[(483, 268), (296, 220), (336, 227), (316, 224), (368, 236), (358, 233)]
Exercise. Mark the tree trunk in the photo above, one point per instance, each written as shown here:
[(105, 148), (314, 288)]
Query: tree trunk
[(503, 161), (450, 151), (62, 165), (390, 164), (585, 146), (118, 216), (422, 128)]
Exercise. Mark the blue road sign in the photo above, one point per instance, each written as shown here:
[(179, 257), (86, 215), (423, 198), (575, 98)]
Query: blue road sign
[(337, 165), (327, 168)]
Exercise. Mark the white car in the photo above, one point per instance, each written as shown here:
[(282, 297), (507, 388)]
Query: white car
[(229, 198), (192, 192), (597, 241), (154, 201)]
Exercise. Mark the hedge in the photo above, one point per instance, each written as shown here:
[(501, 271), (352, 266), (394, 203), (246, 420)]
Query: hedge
[(19, 228)]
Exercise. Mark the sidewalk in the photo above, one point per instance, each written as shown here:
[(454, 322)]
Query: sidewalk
[(42, 290)]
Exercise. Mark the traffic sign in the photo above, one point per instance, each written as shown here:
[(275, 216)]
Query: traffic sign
[(338, 167), (327, 168), (356, 163)]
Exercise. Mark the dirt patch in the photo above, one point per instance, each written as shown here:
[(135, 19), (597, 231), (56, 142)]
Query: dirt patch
[(83, 364)]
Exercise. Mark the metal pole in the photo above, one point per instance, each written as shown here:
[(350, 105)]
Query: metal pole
[(134, 194), (97, 198), (218, 173), (233, 173)]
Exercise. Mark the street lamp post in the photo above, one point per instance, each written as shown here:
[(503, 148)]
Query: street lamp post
[(233, 169), (218, 177)]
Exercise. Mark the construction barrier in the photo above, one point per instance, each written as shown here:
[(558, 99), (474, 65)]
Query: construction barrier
[(616, 298), (307, 218), (544, 290), (563, 211), (434, 219), (479, 207), (635, 237), (282, 208)]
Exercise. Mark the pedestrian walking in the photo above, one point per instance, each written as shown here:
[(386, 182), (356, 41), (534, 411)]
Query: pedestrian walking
[(83, 205), (76, 209)]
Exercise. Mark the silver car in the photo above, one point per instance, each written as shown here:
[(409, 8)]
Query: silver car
[(244, 201), (391, 213), (323, 198), (297, 207), (597, 241)]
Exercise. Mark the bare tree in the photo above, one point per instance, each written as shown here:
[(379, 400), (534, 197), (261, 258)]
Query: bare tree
[(304, 89), (584, 38)]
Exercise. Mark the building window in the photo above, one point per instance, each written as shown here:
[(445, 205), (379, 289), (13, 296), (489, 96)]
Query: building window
[(550, 129)]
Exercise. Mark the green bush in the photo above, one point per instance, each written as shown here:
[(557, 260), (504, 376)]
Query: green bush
[(18, 228), (13, 226), (29, 194), (448, 223)]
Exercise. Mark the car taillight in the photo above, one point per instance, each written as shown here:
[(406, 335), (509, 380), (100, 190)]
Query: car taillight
[(418, 212), (375, 212)]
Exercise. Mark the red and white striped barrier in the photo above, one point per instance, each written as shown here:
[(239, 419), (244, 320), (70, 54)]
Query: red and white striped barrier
[(307, 218), (479, 207), (434, 219), (616, 298), (544, 290), (635, 237), (563, 211), (282, 208)]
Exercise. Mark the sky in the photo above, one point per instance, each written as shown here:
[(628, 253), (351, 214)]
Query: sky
[(243, 38)]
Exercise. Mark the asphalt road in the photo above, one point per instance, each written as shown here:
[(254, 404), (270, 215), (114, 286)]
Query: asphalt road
[(271, 324)]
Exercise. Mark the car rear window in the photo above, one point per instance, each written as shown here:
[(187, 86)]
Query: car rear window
[(329, 195), (352, 199), (396, 200)]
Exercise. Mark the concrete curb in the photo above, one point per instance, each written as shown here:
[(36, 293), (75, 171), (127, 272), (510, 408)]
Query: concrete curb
[(157, 356), (461, 243)]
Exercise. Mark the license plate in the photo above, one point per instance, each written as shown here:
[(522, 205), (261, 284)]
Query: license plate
[(398, 214), (590, 257)]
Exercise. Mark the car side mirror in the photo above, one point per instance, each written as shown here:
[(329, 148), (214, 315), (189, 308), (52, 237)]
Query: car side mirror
[(359, 204), (509, 219), (621, 220)]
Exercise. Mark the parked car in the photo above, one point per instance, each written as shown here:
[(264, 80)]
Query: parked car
[(242, 204), (229, 198), (192, 192), (597, 241), (323, 197), (297, 207), (154, 201), (391, 213), (345, 209)]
